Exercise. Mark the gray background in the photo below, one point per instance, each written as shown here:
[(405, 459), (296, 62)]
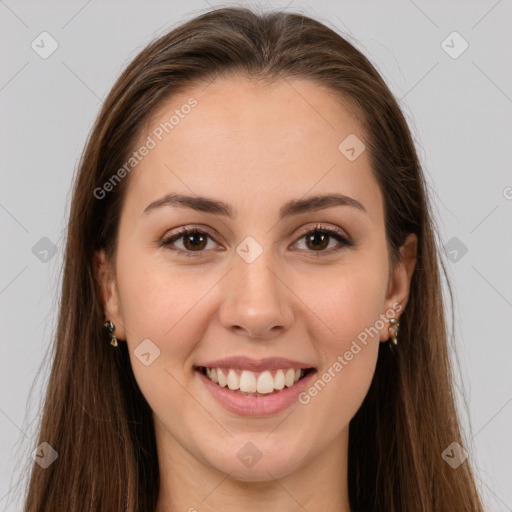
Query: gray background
[(459, 110)]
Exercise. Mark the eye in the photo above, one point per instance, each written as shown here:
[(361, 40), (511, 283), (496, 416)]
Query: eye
[(317, 240), (195, 240)]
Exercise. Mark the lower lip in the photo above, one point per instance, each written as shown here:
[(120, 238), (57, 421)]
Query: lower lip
[(256, 405)]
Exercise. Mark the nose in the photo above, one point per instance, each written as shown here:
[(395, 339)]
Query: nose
[(257, 301)]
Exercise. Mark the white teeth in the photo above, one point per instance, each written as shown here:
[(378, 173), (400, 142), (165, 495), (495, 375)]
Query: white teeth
[(233, 380), (248, 382), (221, 377), (279, 380), (289, 377), (251, 382), (212, 373), (265, 383)]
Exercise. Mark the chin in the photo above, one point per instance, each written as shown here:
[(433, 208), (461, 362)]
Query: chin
[(264, 466)]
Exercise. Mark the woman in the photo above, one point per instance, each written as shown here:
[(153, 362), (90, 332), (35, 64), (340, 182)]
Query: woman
[(251, 313)]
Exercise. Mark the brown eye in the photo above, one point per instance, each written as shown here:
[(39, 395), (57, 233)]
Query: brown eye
[(318, 239), (194, 241)]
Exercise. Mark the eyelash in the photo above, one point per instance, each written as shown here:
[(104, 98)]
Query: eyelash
[(331, 232)]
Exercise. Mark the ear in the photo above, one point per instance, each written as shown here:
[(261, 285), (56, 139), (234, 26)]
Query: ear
[(109, 292), (400, 281)]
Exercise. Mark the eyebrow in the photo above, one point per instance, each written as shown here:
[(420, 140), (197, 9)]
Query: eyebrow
[(291, 208)]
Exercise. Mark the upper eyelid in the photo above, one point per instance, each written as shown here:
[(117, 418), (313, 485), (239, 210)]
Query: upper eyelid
[(319, 227)]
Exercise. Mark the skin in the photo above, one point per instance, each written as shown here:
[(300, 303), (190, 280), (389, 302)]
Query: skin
[(254, 147)]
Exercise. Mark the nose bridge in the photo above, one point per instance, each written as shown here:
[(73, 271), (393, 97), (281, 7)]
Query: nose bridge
[(257, 277), (256, 299)]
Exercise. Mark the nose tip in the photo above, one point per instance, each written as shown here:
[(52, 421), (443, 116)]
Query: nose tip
[(257, 302)]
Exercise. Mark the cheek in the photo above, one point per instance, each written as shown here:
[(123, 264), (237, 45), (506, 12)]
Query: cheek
[(348, 300), (347, 338), (158, 297), (163, 304)]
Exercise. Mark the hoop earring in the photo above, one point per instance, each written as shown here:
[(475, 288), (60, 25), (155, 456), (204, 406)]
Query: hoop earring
[(393, 330), (110, 329)]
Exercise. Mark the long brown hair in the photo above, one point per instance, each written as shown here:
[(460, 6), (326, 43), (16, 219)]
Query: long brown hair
[(94, 414)]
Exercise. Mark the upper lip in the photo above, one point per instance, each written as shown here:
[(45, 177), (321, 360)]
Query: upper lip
[(256, 365)]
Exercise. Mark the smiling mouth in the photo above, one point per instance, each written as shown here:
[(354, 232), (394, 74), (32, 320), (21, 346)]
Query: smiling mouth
[(248, 383)]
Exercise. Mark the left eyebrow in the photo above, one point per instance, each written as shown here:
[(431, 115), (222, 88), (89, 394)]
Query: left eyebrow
[(293, 207), (319, 202)]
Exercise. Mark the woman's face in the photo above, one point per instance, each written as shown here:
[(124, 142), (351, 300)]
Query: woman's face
[(252, 284)]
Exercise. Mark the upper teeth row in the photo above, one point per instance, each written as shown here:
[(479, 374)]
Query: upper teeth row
[(250, 382)]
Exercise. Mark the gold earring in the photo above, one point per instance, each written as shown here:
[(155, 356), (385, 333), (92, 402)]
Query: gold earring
[(393, 330), (111, 328)]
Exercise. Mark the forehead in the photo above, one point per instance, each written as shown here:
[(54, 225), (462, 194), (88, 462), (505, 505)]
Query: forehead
[(242, 141)]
